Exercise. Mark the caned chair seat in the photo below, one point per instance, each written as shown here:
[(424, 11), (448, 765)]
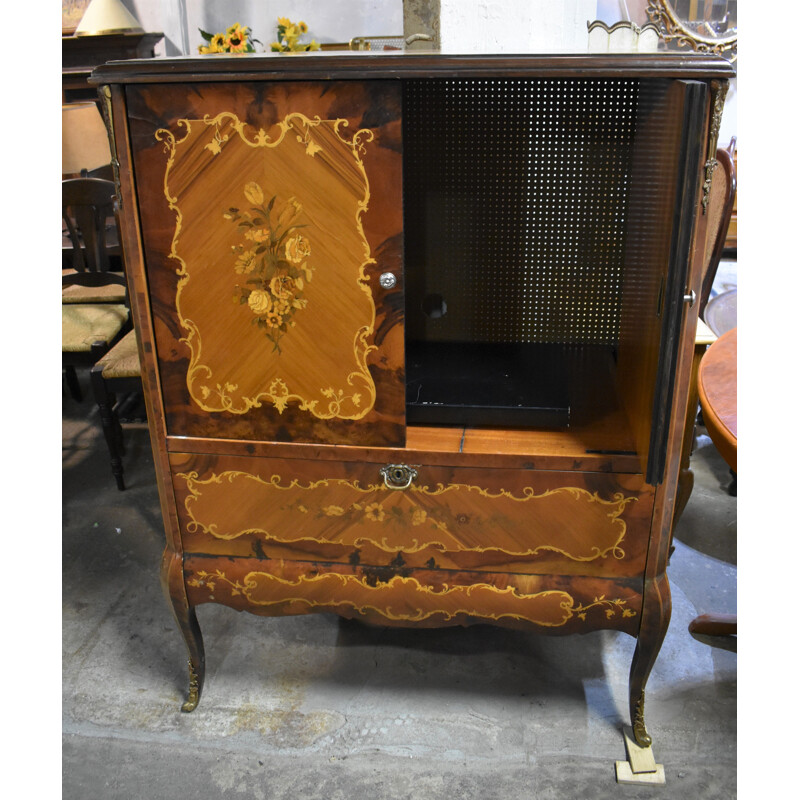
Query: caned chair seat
[(111, 293), (83, 325), (122, 360)]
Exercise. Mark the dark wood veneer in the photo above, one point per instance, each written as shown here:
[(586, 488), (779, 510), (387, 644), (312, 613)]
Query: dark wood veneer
[(346, 65)]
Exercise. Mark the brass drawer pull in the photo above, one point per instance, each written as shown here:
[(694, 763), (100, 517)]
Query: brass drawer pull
[(398, 476)]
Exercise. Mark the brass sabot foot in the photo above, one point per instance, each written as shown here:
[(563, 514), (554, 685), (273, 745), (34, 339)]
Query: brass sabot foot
[(194, 690), (643, 738)]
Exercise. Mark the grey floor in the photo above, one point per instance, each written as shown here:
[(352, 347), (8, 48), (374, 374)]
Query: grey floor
[(313, 707)]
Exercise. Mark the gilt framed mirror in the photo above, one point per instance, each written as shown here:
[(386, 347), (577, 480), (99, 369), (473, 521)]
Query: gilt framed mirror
[(704, 25)]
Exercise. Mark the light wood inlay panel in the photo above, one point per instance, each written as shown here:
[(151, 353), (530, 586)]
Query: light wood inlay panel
[(574, 523), (426, 599), (281, 239), (264, 242)]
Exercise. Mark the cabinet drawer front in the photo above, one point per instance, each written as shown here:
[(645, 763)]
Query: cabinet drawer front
[(448, 518), (264, 243), (428, 598)]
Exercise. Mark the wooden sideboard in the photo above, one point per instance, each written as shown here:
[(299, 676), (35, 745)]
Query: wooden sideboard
[(416, 331), (81, 54)]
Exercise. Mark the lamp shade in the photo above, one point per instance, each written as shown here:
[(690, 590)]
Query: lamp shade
[(84, 138), (107, 16)]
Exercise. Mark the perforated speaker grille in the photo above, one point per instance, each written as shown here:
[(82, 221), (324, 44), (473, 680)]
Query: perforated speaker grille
[(515, 202)]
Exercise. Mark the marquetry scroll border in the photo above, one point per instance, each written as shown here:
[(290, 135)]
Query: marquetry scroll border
[(340, 404), (616, 505), (334, 591)]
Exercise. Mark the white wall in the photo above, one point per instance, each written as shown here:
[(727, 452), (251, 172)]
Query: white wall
[(515, 26), (466, 25), (328, 20)]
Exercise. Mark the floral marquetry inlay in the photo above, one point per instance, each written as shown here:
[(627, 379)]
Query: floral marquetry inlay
[(576, 523), (407, 599), (281, 237), (272, 260)]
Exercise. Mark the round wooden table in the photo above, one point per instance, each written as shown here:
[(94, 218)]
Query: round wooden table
[(716, 383)]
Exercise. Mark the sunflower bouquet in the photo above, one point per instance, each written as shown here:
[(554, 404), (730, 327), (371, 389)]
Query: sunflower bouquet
[(289, 34), (235, 39)]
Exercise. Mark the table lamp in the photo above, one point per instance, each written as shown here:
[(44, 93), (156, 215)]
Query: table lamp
[(107, 16), (84, 139)]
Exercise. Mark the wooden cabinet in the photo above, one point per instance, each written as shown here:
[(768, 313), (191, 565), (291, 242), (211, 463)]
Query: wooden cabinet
[(81, 54), (416, 329)]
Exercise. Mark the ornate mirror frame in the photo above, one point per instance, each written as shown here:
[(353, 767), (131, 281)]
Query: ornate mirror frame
[(692, 32)]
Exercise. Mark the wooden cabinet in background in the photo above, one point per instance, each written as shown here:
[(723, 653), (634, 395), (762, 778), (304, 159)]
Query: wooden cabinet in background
[(414, 331), (81, 54)]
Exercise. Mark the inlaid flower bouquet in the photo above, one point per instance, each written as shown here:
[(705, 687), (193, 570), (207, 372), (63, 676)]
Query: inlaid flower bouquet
[(273, 257)]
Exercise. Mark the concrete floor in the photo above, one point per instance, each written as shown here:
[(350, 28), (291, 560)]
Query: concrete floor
[(314, 707)]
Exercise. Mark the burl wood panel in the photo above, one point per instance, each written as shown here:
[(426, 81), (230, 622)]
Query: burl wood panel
[(419, 598), (268, 213), (450, 518)]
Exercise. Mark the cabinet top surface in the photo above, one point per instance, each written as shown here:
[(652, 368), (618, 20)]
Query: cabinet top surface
[(343, 65)]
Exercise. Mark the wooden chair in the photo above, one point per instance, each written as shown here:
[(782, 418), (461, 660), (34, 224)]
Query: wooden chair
[(95, 313), (116, 375), (720, 206), (89, 213)]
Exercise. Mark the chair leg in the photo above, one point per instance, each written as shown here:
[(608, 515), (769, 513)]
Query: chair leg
[(73, 385), (112, 430), (714, 625), (118, 438)]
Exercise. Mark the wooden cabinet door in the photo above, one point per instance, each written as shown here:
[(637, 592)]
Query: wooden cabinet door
[(663, 203), (269, 212)]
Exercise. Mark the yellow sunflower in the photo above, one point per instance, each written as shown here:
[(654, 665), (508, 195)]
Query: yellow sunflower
[(237, 38)]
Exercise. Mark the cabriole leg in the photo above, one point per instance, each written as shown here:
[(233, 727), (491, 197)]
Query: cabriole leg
[(197, 659), (175, 590), (657, 608)]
